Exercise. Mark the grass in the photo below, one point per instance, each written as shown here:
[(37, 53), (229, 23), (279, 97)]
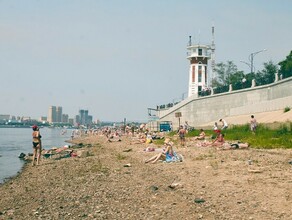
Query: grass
[(264, 137)]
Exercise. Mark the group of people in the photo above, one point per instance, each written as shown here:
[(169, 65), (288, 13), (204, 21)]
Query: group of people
[(168, 154), (219, 140)]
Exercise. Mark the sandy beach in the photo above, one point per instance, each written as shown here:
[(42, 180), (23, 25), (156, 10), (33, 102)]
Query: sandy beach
[(111, 181)]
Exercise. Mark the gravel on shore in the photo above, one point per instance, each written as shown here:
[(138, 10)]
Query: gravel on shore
[(111, 181)]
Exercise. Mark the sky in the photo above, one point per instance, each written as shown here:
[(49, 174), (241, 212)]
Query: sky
[(116, 58)]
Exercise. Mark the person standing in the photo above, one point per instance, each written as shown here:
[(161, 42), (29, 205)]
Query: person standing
[(36, 145), (182, 133), (224, 124), (215, 128), (253, 124)]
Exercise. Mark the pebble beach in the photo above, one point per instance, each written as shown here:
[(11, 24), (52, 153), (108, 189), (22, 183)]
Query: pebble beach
[(112, 181)]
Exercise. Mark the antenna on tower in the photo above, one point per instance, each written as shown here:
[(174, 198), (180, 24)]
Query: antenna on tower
[(190, 40), (213, 76), (199, 37)]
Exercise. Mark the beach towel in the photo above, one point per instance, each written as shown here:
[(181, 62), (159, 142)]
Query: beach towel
[(173, 158)]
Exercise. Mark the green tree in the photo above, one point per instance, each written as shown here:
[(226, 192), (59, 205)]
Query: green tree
[(226, 74), (286, 66), (267, 75)]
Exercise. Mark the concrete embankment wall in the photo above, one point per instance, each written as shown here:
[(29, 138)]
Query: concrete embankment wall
[(203, 110)]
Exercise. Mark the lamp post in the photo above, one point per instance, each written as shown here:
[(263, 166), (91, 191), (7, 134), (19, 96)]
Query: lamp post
[(245, 63), (251, 57)]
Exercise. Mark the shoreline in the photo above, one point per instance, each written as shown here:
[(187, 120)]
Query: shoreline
[(208, 184)]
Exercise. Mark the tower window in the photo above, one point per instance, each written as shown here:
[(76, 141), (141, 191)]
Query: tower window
[(200, 74), (200, 52)]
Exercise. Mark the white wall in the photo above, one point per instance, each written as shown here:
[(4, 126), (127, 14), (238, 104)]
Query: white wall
[(199, 111)]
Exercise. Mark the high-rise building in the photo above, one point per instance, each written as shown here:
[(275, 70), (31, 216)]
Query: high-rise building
[(55, 114), (65, 118), (59, 114), (83, 118), (71, 121), (52, 116)]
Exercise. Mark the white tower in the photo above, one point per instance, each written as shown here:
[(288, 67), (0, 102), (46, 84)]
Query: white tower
[(198, 56)]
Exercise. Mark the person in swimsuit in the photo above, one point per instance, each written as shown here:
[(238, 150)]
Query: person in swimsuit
[(182, 133), (219, 141), (201, 136), (167, 154), (36, 144)]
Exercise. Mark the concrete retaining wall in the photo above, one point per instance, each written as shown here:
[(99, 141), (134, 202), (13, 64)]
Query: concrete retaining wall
[(202, 110)]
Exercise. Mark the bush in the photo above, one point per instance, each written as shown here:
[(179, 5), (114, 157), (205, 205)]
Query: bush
[(286, 109)]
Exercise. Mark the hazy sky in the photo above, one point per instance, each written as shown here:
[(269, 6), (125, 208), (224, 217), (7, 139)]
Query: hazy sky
[(117, 58)]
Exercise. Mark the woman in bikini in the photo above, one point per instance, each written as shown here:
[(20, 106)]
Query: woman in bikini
[(218, 142), (36, 144)]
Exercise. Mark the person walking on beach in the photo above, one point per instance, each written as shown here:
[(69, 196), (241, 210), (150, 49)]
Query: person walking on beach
[(36, 145), (253, 124)]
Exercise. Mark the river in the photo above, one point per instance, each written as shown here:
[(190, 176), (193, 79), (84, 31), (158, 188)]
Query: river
[(14, 141)]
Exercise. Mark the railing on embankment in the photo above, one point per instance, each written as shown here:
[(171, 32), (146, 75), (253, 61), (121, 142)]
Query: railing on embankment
[(201, 110)]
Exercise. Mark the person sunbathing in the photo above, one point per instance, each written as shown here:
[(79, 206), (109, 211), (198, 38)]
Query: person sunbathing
[(167, 154), (140, 140), (201, 136), (219, 141), (233, 146)]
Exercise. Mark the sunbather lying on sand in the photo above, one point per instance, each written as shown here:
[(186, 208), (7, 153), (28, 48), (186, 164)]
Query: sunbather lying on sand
[(230, 146), (220, 143), (140, 140)]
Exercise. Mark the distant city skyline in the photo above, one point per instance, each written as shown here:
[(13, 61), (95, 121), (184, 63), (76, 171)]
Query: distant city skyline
[(55, 115), (118, 58)]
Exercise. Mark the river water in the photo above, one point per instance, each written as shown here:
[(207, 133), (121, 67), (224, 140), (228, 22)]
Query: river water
[(14, 141)]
